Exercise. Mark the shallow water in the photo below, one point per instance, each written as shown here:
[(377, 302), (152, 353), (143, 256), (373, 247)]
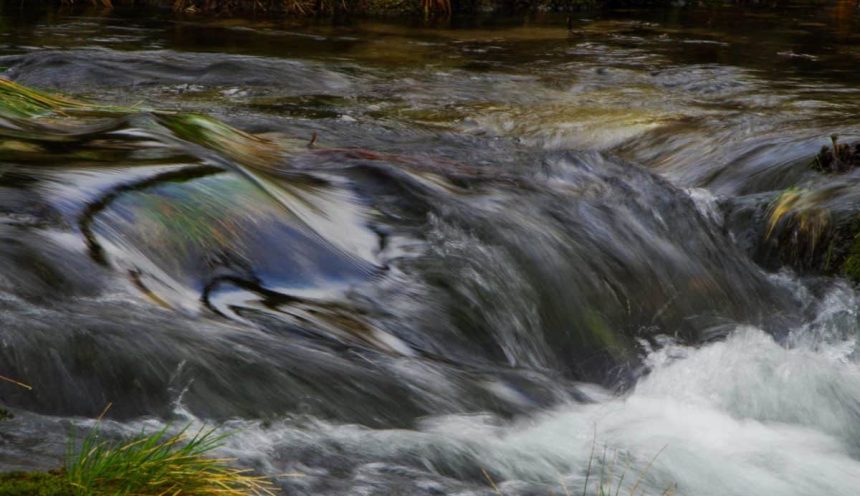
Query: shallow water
[(442, 260)]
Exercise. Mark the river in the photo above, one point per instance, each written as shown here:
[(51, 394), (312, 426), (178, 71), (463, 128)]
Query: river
[(498, 257)]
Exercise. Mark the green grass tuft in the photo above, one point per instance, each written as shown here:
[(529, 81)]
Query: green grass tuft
[(158, 464)]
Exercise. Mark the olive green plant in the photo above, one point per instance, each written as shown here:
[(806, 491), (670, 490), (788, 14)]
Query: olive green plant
[(159, 463)]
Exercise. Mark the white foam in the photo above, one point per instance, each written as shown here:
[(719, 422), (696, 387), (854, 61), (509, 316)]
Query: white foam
[(746, 416)]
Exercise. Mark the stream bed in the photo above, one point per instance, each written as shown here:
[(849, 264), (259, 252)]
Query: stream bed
[(502, 257)]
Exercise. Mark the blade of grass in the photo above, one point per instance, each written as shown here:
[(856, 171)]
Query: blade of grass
[(645, 470)]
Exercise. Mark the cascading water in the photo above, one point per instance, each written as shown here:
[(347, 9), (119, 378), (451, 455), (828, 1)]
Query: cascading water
[(508, 260)]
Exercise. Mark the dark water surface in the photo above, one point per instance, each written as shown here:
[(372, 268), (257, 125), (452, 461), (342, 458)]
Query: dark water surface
[(508, 244)]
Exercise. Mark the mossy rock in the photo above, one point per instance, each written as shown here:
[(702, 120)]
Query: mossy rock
[(813, 231), (5, 414), (851, 265), (34, 484), (837, 159)]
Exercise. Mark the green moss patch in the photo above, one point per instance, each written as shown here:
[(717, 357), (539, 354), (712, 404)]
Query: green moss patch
[(34, 484), (851, 266)]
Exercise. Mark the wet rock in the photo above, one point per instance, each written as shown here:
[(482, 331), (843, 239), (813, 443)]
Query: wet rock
[(840, 157), (814, 230)]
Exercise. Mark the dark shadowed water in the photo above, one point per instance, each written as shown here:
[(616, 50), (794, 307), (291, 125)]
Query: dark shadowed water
[(439, 257)]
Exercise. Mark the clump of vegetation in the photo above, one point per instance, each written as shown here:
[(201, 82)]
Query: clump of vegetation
[(608, 477), (307, 8), (213, 134), (797, 217), (5, 414), (145, 465), (20, 101), (841, 157), (157, 464), (295, 8)]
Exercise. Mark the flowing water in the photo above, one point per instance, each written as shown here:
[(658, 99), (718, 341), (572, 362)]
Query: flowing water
[(496, 258)]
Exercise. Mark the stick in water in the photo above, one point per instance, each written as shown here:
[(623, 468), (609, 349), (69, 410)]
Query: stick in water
[(17, 383)]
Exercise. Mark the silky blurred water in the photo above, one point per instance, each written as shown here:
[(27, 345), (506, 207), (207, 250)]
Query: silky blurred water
[(492, 257)]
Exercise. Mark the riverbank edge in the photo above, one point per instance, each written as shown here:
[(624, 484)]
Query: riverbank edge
[(385, 9)]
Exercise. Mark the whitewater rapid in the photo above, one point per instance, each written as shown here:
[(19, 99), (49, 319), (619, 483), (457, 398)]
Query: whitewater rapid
[(745, 415)]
